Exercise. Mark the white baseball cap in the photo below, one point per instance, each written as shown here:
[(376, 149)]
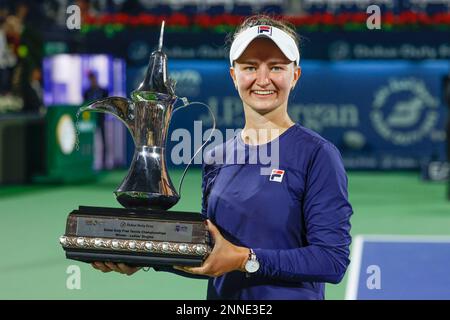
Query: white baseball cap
[(283, 41)]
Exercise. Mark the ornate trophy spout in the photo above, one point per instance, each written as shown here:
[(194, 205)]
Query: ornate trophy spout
[(147, 117)]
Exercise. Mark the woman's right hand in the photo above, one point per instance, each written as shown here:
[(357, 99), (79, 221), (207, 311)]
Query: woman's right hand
[(117, 267)]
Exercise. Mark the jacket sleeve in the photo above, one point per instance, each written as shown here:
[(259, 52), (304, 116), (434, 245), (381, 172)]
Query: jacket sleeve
[(326, 212)]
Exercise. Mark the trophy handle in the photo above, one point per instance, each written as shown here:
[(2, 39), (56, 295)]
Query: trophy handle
[(185, 104)]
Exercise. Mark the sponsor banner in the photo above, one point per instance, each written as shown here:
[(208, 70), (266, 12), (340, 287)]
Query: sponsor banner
[(137, 46), (381, 115)]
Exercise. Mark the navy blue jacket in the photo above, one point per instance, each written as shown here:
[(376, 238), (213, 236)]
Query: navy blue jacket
[(296, 218)]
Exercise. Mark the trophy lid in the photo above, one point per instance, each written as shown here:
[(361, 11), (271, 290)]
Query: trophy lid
[(156, 77)]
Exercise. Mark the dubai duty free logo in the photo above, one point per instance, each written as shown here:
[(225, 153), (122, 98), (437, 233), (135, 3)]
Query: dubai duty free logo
[(404, 112)]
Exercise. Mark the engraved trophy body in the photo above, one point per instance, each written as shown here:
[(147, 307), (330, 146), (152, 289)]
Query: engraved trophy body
[(143, 233)]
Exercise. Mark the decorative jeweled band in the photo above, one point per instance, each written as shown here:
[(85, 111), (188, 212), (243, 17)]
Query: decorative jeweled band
[(134, 245)]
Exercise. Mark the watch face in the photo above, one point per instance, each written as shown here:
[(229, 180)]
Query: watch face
[(252, 266)]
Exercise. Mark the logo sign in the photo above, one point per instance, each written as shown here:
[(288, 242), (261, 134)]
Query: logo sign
[(265, 30), (276, 175), (404, 112), (438, 171), (181, 228), (340, 50), (66, 134)]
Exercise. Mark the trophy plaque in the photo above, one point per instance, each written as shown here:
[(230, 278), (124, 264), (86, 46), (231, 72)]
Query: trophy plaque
[(143, 233)]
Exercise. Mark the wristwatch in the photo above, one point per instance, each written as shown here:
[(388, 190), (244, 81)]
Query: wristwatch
[(252, 264)]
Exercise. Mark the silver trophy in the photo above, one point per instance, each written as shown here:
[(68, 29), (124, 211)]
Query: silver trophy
[(143, 233)]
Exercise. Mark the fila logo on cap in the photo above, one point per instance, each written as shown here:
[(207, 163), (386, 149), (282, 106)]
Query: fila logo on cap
[(276, 175), (265, 30)]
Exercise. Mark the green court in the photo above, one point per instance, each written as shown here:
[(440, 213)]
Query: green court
[(33, 265)]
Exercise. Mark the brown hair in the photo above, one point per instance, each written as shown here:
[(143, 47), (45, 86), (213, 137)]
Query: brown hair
[(261, 19)]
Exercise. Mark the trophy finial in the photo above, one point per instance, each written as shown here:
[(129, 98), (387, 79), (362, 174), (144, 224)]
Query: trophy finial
[(161, 36), (156, 78)]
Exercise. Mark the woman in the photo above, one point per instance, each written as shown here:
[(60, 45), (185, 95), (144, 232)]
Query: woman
[(283, 234)]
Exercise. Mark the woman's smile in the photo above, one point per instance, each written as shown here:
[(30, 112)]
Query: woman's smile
[(263, 93)]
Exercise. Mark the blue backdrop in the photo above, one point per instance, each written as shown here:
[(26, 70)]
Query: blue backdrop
[(381, 115)]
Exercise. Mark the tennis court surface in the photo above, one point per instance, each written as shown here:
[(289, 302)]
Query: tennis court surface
[(398, 204)]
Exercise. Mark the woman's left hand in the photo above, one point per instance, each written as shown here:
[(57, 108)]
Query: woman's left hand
[(224, 257)]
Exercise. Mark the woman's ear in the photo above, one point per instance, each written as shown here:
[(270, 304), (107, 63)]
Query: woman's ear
[(233, 76), (297, 75)]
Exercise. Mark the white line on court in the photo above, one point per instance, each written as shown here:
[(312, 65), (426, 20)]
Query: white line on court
[(355, 265), (405, 238)]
